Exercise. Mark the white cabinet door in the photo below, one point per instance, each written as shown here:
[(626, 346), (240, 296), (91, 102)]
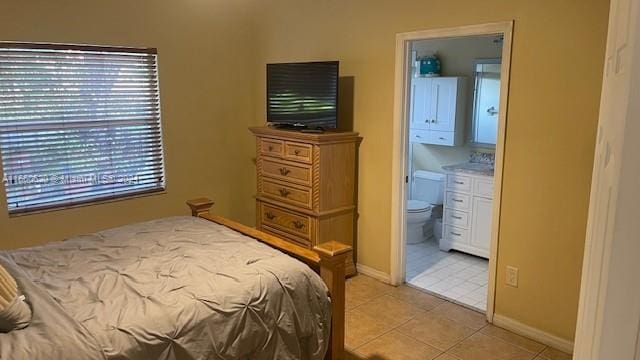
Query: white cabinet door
[(443, 104), (483, 187), (420, 103), (481, 223)]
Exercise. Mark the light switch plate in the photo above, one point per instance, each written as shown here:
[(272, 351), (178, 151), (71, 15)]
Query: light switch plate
[(512, 276)]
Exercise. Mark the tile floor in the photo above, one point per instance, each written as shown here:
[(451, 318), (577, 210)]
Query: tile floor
[(401, 323), (457, 276)]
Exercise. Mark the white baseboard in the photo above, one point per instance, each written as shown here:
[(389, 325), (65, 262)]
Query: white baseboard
[(533, 333), (376, 274)]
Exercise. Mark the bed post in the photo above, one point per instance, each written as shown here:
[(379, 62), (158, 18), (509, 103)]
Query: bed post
[(332, 270), (200, 206)]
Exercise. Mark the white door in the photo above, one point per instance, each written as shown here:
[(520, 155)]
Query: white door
[(609, 311), (481, 223), (420, 99), (443, 104)]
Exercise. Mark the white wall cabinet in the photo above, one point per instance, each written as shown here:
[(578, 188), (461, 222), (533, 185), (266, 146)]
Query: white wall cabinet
[(468, 211), (438, 110)]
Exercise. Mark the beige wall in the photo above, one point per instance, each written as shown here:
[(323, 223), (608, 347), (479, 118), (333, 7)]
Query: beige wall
[(457, 56), (555, 85), (204, 76), (434, 157)]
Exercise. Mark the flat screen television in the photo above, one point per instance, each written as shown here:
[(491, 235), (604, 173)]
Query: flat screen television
[(303, 95)]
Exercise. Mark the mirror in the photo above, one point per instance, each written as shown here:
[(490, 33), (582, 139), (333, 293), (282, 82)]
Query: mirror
[(486, 101)]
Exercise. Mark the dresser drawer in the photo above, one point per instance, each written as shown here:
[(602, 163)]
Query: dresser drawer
[(452, 233), (285, 193), (483, 187), (459, 183), (290, 222), (271, 147), (287, 171), (298, 152), (457, 201), (286, 236), (456, 218)]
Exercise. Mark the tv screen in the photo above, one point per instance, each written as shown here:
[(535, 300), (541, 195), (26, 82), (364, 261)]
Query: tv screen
[(303, 94)]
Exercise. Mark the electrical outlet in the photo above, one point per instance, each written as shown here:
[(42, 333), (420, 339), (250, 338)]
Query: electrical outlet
[(512, 276)]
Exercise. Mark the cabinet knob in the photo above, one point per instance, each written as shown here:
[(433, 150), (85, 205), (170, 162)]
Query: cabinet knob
[(433, 120), (298, 224), (284, 192), (270, 148), (426, 120), (270, 215), (284, 171), (296, 152)]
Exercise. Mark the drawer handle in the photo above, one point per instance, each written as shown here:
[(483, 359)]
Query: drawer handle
[(298, 224), (456, 217), (296, 152), (284, 171), (284, 192), (270, 148), (459, 182), (441, 138), (270, 215), (456, 234), (457, 200)]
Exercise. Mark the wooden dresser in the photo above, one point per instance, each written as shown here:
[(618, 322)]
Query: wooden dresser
[(307, 186)]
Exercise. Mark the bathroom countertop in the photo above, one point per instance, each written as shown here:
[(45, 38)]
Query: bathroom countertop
[(471, 168)]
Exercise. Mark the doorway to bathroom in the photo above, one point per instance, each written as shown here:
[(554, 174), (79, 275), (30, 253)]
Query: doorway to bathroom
[(449, 123)]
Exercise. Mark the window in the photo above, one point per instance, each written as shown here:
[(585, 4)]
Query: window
[(78, 124)]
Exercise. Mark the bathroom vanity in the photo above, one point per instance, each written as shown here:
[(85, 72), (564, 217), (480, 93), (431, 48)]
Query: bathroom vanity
[(468, 206)]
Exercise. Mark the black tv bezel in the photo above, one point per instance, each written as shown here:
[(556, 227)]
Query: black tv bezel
[(303, 126)]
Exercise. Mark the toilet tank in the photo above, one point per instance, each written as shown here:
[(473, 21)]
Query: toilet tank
[(428, 186)]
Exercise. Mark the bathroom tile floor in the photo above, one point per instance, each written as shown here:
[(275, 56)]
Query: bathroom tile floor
[(401, 323), (459, 277)]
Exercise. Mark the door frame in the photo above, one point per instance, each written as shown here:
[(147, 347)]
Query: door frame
[(401, 143)]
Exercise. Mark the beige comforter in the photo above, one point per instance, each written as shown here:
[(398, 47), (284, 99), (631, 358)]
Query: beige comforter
[(174, 288)]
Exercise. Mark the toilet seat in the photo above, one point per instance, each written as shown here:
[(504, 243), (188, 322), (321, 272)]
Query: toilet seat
[(417, 206)]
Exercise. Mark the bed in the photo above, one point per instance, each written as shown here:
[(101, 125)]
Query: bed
[(192, 287)]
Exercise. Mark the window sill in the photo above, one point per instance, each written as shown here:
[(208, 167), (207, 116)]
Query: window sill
[(87, 203)]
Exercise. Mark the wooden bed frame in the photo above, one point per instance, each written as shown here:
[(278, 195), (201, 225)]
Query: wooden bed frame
[(327, 259)]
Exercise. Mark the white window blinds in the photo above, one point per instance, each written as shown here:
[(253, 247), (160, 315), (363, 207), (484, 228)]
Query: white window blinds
[(78, 124)]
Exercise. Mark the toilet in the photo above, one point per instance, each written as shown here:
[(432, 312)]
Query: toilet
[(427, 192)]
